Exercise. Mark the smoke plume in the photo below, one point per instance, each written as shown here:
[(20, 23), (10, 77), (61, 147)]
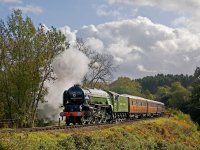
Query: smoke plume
[(69, 68)]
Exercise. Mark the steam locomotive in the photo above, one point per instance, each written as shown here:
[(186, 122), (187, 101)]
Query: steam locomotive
[(94, 106)]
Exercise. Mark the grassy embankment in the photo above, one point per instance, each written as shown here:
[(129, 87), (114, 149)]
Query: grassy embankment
[(176, 132)]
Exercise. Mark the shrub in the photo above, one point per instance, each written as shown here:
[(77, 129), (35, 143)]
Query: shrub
[(2, 147), (67, 143)]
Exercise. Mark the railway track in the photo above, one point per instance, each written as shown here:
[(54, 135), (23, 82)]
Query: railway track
[(74, 127)]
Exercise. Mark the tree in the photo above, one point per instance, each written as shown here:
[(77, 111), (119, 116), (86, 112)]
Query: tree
[(194, 106), (1, 110), (147, 94), (124, 85), (26, 55), (152, 83), (180, 97), (101, 65), (163, 95)]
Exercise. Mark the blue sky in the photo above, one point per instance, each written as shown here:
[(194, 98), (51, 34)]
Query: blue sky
[(76, 13), (59, 13), (145, 37)]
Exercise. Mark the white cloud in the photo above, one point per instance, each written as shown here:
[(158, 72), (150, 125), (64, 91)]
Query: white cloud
[(140, 41), (102, 10), (142, 69), (11, 1), (197, 58), (30, 9), (139, 34), (70, 35), (187, 11), (181, 6), (186, 58), (117, 13), (94, 43), (180, 21)]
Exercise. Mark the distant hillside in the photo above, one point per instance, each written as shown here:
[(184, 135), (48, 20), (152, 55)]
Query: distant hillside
[(174, 133), (151, 83)]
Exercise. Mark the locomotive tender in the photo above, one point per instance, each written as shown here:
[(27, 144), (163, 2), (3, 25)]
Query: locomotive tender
[(93, 106)]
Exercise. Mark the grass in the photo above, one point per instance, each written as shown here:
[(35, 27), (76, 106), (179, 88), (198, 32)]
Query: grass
[(177, 132)]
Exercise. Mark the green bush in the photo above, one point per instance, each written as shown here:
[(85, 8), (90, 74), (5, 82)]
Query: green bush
[(67, 143), (179, 147), (2, 147)]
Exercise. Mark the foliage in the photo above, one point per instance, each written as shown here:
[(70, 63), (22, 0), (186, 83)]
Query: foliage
[(179, 96), (163, 95), (194, 106), (147, 94), (175, 96), (152, 83), (25, 64), (177, 132), (124, 85), (45, 122), (2, 109)]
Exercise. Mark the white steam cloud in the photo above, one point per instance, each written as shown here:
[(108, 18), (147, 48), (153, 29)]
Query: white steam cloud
[(70, 68)]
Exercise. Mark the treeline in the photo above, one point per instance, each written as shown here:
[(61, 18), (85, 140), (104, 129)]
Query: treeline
[(181, 92), (152, 83)]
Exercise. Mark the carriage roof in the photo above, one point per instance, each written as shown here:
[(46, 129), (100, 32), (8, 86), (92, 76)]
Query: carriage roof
[(141, 98)]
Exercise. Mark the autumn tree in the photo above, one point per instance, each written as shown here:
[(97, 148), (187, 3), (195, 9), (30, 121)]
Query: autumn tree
[(26, 54), (101, 65)]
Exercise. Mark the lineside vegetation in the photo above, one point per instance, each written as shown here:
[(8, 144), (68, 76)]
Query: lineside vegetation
[(177, 132)]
